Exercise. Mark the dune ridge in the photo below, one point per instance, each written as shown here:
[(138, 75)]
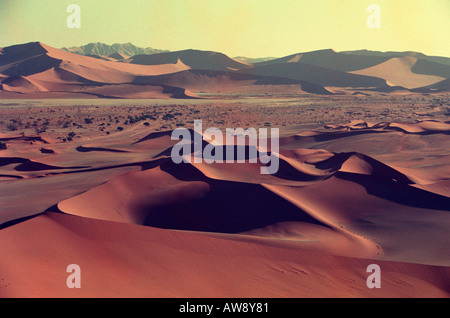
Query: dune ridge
[(152, 259), (400, 73), (337, 203), (153, 180), (37, 70), (44, 69)]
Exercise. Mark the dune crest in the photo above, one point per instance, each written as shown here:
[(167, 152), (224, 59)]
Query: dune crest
[(337, 192), (38, 70), (397, 72), (46, 70)]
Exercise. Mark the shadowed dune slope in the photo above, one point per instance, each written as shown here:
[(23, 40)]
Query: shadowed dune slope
[(36, 70), (120, 204), (195, 59), (39, 68), (136, 261), (397, 72)]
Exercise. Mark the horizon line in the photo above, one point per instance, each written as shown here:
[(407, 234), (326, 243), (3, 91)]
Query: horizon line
[(209, 50)]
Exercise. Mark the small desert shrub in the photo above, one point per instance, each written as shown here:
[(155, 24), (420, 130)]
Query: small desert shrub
[(168, 116), (11, 127), (39, 130)]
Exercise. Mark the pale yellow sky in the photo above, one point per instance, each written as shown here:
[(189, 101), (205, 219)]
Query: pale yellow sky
[(253, 28)]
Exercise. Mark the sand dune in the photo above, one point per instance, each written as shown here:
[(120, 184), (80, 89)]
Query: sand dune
[(22, 85), (38, 70), (344, 195), (125, 208), (110, 254), (36, 67), (107, 65), (118, 56), (96, 186), (226, 81), (317, 75), (330, 59), (195, 59), (397, 71)]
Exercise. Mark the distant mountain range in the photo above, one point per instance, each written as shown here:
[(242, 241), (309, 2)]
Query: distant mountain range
[(37, 70), (126, 49), (123, 50), (253, 60)]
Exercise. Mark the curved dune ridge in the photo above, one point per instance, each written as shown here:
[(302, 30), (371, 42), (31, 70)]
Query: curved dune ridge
[(397, 72), (37, 70), (22, 84), (198, 229), (86, 62)]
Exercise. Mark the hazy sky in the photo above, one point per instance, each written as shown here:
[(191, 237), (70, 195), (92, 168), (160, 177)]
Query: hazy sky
[(253, 28)]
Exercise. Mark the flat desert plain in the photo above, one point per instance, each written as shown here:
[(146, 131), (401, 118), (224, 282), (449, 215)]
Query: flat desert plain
[(362, 180)]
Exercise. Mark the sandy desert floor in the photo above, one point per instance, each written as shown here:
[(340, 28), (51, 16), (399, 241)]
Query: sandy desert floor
[(362, 180)]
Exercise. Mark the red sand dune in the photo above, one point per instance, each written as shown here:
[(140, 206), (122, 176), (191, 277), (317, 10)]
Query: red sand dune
[(124, 260), (36, 67), (140, 225), (37, 70), (397, 72), (195, 59)]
